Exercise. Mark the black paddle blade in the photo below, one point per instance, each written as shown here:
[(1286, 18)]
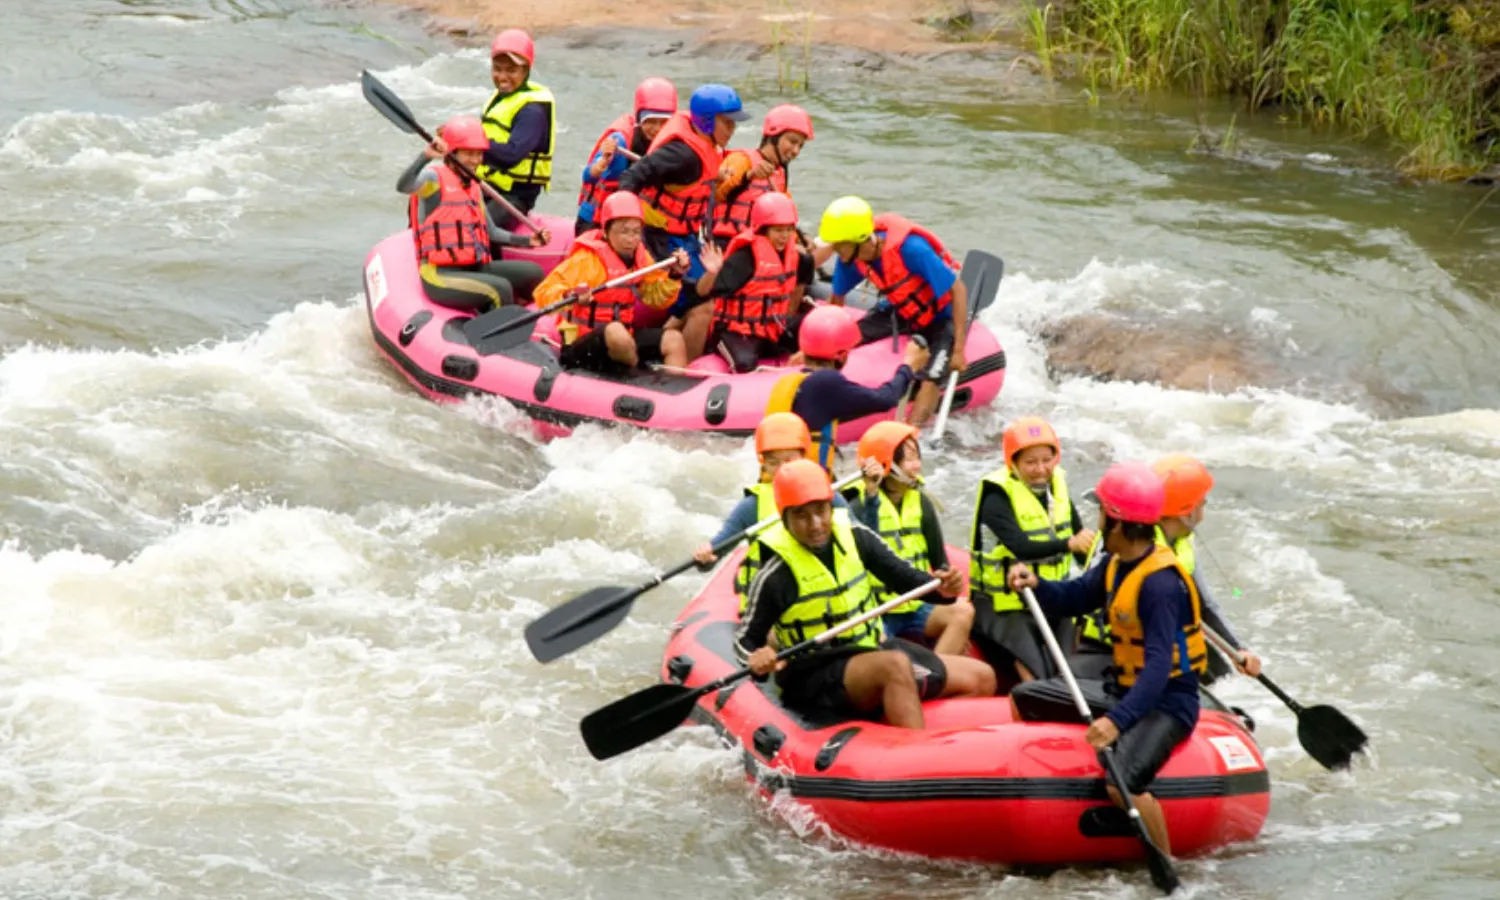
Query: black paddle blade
[(499, 330), (580, 621), (389, 105), (1329, 736), (981, 276), (1163, 874), (638, 719)]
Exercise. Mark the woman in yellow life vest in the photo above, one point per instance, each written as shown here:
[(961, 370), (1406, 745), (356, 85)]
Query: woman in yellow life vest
[(1149, 705), (520, 119), (816, 571), (890, 502), (1022, 512), (780, 438)]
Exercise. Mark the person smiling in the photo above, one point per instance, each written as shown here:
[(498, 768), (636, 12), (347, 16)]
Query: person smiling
[(521, 122)]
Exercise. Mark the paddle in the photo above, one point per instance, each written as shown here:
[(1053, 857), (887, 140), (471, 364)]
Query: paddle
[(1163, 875), (389, 105), (1328, 736), (511, 330), (981, 276), (596, 612), (648, 714)]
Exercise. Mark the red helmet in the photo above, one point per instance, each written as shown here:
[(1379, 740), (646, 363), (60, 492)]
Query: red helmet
[(800, 482), (772, 208), (1131, 492), (787, 117), (1186, 481), (465, 133), (515, 42), (655, 95), (620, 205), (828, 333), (1028, 431)]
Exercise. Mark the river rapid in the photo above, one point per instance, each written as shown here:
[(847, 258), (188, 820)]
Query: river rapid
[(260, 635)]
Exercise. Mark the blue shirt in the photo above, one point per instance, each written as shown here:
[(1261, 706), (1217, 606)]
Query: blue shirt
[(612, 172), (1164, 609), (743, 516), (920, 258)]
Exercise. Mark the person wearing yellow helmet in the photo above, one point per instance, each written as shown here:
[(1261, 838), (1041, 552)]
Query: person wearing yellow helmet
[(917, 279), (890, 502)]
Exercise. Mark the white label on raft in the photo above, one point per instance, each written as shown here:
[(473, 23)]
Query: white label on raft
[(1235, 754), (375, 281)]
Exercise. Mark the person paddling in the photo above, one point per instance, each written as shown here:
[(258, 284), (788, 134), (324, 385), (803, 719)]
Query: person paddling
[(454, 234), (520, 119), (918, 280), (598, 331), (815, 572), (821, 394), (1149, 704), (891, 502), (655, 102)]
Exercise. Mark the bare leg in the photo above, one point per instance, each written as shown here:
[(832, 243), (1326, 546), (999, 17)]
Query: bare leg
[(673, 349), (1024, 673), (1151, 816), (949, 627), (695, 328), (621, 344), (968, 677), (925, 403), (883, 679)]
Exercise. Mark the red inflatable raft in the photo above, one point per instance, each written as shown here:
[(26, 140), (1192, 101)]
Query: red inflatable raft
[(975, 785)]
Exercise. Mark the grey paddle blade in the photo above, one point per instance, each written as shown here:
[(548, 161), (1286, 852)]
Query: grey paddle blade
[(500, 329), (981, 276), (387, 103), (638, 719), (580, 621)]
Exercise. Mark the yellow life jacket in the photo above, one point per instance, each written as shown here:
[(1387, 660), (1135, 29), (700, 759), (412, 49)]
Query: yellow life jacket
[(783, 395), (825, 598), (1094, 626), (765, 508), (901, 529), (499, 116), (987, 564), (1126, 633)]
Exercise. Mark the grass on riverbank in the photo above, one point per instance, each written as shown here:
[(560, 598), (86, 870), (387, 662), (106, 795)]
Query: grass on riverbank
[(1426, 74)]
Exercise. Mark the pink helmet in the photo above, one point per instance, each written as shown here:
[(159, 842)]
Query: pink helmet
[(787, 118), (515, 42), (828, 333), (655, 95), (620, 205), (772, 208), (465, 133), (1131, 492)]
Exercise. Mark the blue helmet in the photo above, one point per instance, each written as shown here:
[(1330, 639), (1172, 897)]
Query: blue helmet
[(715, 100)]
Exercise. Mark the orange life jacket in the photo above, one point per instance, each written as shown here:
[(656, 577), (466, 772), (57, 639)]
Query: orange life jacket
[(455, 234), (761, 306), (734, 216), (910, 295), (684, 206), (615, 304), (596, 193)]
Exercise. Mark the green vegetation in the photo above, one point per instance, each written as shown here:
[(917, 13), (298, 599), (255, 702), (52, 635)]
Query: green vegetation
[(1425, 74)]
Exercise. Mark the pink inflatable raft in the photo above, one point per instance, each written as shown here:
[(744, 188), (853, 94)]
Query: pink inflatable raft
[(439, 351)]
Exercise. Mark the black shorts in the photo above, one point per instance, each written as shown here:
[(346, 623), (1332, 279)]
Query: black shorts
[(1139, 753), (938, 335), (592, 353), (817, 685), (744, 352), (1005, 637)]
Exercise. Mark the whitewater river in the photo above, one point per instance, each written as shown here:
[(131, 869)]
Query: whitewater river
[(260, 626)]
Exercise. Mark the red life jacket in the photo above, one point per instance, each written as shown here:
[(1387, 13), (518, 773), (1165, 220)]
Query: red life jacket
[(734, 217), (612, 304), (761, 307), (910, 295), (455, 234), (684, 206), (596, 192)]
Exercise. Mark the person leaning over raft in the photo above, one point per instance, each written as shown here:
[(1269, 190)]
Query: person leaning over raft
[(655, 102), (815, 572), (454, 234), (915, 276), (598, 332), (1022, 511), (1150, 704), (820, 393), (520, 119)]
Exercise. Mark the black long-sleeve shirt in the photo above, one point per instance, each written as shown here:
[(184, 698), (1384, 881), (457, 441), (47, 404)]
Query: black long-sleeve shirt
[(672, 163), (867, 511), (996, 514), (774, 589)]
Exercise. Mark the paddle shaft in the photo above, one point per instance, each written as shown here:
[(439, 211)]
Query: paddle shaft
[(569, 301), (1229, 651), (972, 305)]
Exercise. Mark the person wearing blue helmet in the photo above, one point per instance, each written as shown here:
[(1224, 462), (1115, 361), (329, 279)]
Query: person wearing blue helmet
[(675, 180)]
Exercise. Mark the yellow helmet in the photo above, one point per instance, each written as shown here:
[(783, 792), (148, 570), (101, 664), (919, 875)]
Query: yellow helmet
[(847, 219)]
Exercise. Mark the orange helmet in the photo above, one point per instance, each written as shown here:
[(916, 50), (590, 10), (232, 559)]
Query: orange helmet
[(882, 441), (1028, 431), (1187, 482), (800, 482), (782, 431)]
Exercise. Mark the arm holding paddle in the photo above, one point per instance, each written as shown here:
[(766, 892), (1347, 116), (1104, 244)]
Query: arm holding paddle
[(957, 363), (741, 523)]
